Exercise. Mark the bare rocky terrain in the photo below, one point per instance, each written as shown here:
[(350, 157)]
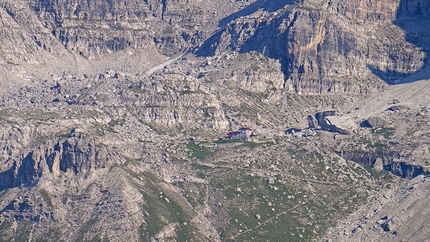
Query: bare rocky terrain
[(114, 115)]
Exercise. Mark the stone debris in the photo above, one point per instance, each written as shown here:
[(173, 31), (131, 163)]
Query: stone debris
[(271, 180)]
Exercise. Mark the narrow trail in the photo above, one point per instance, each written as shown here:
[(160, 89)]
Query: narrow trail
[(170, 61), (164, 64)]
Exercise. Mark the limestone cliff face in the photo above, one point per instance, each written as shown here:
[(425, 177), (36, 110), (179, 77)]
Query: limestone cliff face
[(27, 46), (74, 155), (331, 47), (95, 28), (324, 47)]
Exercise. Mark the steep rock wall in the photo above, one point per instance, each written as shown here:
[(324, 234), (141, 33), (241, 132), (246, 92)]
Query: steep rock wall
[(334, 47), (73, 155), (95, 28)]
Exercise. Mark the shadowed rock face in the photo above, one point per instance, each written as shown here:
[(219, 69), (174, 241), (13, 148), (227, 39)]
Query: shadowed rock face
[(373, 122), (74, 155), (334, 47), (412, 18), (387, 159)]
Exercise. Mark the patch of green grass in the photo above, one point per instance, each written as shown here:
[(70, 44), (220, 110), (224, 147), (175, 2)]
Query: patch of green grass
[(379, 175), (23, 231), (199, 167), (256, 96), (275, 222), (208, 108), (375, 174), (169, 30), (100, 130), (159, 129), (113, 123), (148, 105), (228, 141), (118, 27), (199, 152), (310, 8), (77, 27), (255, 67), (187, 91), (53, 234), (5, 230), (252, 145), (378, 146), (160, 212), (387, 132), (85, 229), (139, 90), (47, 198), (63, 135), (305, 202)]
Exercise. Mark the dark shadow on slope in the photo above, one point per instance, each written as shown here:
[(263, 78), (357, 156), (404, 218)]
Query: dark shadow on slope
[(413, 17), (264, 29), (267, 40), (273, 43), (25, 175), (368, 159), (390, 77), (266, 5)]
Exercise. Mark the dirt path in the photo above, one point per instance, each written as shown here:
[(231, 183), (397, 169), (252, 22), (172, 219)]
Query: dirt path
[(166, 63)]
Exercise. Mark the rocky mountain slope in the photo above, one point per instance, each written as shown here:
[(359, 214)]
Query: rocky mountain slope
[(397, 215), (113, 116)]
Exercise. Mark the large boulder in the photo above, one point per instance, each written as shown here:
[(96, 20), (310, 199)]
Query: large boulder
[(312, 122), (329, 121), (379, 164), (391, 224), (342, 125), (321, 118), (375, 122)]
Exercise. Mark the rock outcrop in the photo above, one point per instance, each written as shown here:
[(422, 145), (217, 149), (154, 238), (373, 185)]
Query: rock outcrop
[(329, 121), (399, 214), (73, 155)]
